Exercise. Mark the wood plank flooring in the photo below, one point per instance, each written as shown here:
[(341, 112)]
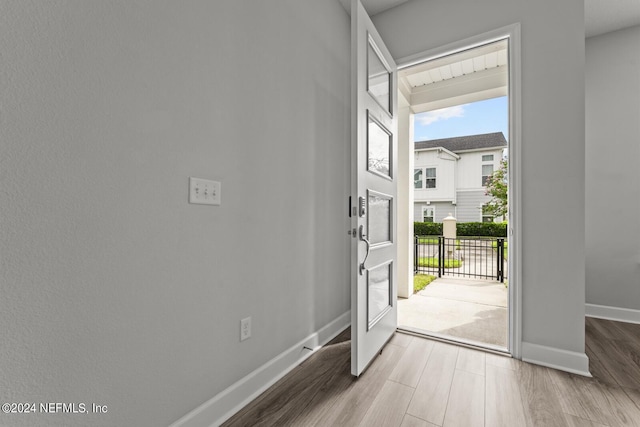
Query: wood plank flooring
[(417, 382)]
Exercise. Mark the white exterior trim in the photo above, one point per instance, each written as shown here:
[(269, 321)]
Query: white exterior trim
[(477, 150), (467, 190), (439, 149), (618, 314), (556, 358), (429, 206), (434, 167), (433, 199), (216, 410), (512, 32)]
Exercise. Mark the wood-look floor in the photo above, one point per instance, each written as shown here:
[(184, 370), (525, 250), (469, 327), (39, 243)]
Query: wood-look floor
[(417, 382)]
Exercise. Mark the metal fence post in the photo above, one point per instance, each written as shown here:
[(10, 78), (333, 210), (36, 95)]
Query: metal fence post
[(500, 258), (440, 255), (415, 254)]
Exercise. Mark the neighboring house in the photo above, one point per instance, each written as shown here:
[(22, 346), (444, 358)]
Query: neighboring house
[(450, 176)]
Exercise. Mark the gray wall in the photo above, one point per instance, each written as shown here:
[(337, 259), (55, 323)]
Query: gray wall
[(612, 173), (114, 289), (443, 209), (553, 283), (470, 205)]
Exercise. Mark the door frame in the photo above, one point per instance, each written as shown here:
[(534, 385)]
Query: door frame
[(511, 32)]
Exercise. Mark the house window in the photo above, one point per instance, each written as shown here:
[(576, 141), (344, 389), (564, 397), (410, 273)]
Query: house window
[(486, 215), (487, 171), (430, 178), (428, 213), (417, 178), (487, 158)]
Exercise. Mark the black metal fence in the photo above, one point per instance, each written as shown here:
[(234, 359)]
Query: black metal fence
[(482, 257)]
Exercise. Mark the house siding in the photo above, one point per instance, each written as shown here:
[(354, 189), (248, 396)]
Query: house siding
[(443, 209), (469, 208), (465, 174), (470, 167), (445, 166)]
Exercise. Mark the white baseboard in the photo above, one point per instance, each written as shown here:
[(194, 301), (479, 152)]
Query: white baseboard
[(612, 313), (226, 403), (556, 358)]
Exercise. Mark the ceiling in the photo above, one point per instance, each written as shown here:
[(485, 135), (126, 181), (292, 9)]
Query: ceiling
[(601, 16), (604, 16), (374, 7), (481, 73)]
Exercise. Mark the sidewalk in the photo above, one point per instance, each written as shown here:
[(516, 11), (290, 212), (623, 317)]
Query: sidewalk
[(461, 308)]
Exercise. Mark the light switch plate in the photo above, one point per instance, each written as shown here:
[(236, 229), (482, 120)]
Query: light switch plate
[(245, 328), (204, 191)]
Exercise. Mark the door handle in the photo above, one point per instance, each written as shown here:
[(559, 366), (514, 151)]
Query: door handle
[(363, 237)]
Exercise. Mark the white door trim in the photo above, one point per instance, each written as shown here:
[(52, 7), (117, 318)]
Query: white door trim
[(512, 32)]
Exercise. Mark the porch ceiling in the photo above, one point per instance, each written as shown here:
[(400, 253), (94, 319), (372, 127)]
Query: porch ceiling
[(468, 76)]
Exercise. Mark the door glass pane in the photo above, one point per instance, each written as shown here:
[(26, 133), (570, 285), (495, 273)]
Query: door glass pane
[(379, 219), (378, 292), (378, 149), (379, 79)]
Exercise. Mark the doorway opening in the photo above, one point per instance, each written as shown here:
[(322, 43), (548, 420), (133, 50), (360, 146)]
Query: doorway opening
[(458, 121)]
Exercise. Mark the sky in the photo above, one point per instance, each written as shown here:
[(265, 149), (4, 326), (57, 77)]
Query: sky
[(486, 116)]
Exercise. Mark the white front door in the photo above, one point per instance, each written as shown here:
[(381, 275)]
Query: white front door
[(374, 312)]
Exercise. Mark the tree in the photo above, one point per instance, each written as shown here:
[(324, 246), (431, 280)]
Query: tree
[(497, 186)]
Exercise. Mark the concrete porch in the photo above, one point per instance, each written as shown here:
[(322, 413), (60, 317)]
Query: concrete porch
[(468, 309)]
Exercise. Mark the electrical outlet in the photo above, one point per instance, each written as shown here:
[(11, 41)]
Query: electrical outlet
[(204, 191), (245, 328)]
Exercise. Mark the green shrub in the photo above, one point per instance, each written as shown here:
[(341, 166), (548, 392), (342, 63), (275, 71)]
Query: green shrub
[(427, 228), (487, 229)]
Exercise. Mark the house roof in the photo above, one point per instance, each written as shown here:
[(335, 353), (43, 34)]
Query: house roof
[(465, 143)]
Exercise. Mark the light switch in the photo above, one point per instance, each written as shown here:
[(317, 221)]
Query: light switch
[(204, 191)]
